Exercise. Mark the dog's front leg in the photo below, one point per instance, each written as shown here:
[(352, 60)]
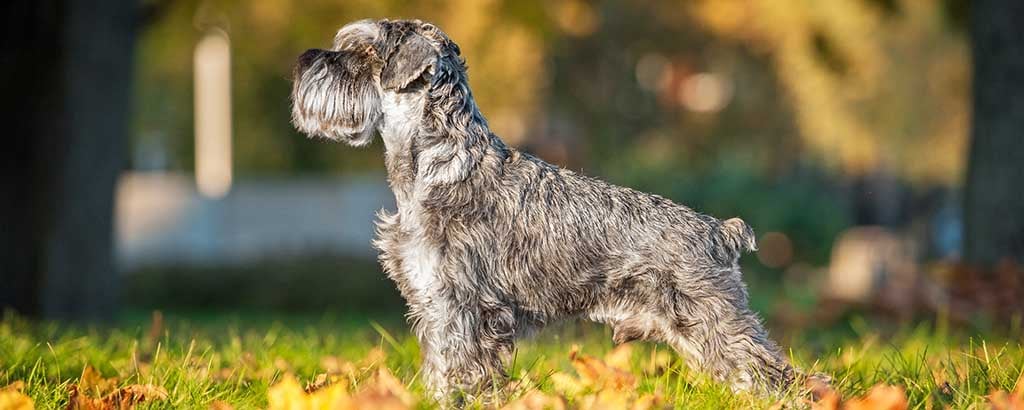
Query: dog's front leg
[(460, 352), (422, 315)]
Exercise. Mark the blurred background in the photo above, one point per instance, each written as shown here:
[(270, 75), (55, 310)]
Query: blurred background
[(874, 145)]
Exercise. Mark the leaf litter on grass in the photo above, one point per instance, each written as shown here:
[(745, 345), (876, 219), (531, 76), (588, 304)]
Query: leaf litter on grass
[(94, 392), (917, 368), (336, 389)]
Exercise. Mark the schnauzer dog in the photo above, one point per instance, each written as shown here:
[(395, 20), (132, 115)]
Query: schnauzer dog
[(489, 243)]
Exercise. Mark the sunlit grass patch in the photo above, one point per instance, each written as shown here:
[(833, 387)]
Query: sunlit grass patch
[(235, 362)]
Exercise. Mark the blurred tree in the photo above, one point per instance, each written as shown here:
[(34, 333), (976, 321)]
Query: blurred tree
[(875, 84), (994, 197), (67, 65)]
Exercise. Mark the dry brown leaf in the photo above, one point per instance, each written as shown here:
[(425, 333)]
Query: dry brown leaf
[(605, 399), (598, 375), (1001, 400), (124, 398), (320, 381), (621, 357), (92, 383), (381, 391), (221, 405), (16, 385), (375, 357), (820, 389), (880, 397), (384, 391), (536, 400), (830, 401), (128, 396), (648, 402), (610, 384)]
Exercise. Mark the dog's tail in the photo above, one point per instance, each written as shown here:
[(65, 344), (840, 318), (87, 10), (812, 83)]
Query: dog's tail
[(738, 236)]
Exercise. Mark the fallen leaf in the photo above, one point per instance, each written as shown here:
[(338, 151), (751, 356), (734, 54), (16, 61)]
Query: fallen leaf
[(605, 399), (384, 391), (375, 357), (128, 396), (16, 385), (288, 395), (621, 357), (380, 391), (566, 384), (1001, 400), (828, 401), (123, 398), (11, 398), (320, 381), (598, 375), (96, 385), (648, 402), (880, 397), (536, 400), (820, 388), (221, 405)]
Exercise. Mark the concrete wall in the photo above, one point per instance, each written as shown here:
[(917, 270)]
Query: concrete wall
[(162, 219)]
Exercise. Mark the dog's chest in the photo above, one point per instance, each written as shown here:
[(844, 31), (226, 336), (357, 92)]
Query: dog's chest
[(421, 259)]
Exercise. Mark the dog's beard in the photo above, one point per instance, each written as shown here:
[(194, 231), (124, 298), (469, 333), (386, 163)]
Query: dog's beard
[(336, 103)]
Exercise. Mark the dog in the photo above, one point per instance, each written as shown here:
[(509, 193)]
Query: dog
[(489, 243)]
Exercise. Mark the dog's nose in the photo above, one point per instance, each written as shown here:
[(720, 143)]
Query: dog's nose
[(308, 57)]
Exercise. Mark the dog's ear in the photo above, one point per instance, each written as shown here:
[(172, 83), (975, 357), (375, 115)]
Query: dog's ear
[(413, 57)]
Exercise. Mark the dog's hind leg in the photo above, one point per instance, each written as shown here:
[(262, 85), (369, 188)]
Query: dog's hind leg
[(727, 340)]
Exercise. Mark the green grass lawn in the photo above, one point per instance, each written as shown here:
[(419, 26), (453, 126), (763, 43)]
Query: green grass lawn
[(201, 358)]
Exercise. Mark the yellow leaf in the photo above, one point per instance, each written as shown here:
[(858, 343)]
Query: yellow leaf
[(566, 384), (536, 400), (605, 400), (620, 357), (597, 374), (647, 402), (13, 399)]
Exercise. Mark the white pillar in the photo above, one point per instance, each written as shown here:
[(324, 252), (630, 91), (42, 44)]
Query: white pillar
[(212, 67)]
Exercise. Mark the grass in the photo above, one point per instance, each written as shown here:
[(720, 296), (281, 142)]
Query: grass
[(201, 358)]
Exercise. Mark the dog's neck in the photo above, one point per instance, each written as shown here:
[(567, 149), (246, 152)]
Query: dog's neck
[(432, 139)]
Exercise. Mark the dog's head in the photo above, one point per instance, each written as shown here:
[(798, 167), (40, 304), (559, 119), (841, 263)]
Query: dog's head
[(374, 69)]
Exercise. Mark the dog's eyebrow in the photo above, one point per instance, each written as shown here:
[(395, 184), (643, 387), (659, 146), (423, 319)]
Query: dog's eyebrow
[(350, 34)]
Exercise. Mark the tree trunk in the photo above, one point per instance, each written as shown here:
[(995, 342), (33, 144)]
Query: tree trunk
[(994, 194), (68, 67)]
